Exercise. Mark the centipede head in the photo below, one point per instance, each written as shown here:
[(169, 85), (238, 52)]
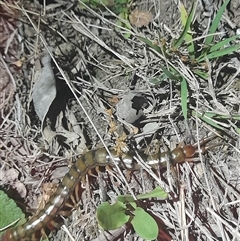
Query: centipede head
[(189, 151)]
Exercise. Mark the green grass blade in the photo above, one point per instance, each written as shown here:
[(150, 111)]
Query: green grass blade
[(170, 74), (215, 23), (157, 80), (220, 116), (201, 74), (186, 27), (223, 52), (222, 43), (184, 95), (188, 37), (150, 44), (207, 119)]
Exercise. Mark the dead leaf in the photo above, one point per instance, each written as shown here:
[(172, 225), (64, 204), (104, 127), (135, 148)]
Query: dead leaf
[(11, 177), (44, 90), (130, 107), (140, 18), (21, 189)]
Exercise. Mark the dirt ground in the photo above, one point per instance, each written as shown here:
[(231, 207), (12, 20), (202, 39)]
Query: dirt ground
[(74, 79)]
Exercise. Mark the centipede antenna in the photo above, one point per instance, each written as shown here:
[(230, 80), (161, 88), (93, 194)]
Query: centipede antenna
[(205, 141)]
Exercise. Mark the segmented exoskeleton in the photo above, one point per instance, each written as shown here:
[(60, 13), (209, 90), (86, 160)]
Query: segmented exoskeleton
[(88, 161)]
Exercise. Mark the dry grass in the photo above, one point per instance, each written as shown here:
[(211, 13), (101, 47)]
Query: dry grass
[(94, 65)]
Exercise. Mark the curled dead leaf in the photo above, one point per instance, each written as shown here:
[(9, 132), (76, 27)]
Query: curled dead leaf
[(140, 18), (44, 89)]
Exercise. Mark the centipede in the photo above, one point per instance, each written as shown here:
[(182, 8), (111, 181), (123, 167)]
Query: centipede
[(91, 159)]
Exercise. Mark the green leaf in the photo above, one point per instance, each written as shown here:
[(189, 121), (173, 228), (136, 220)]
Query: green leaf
[(9, 211), (125, 198), (125, 24), (111, 217), (144, 224), (157, 192), (215, 23), (186, 27), (184, 95)]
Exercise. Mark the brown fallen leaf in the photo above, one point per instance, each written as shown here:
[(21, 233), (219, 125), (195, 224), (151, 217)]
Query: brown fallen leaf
[(140, 18)]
